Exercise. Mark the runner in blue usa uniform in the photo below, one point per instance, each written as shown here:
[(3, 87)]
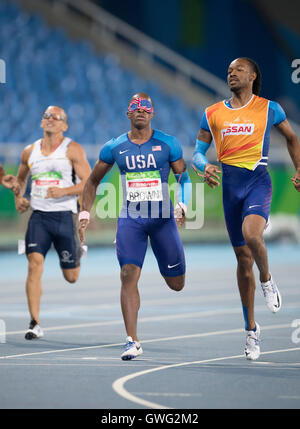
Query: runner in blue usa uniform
[(144, 157)]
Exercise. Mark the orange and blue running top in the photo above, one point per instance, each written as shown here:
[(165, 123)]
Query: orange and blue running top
[(242, 135)]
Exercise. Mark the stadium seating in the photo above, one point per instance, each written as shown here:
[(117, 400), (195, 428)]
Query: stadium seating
[(45, 67)]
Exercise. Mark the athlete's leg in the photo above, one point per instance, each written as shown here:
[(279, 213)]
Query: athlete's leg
[(233, 204), (246, 284), (175, 283), (38, 242), (130, 298), (253, 228), (168, 250), (71, 274), (66, 243), (34, 284), (131, 247)]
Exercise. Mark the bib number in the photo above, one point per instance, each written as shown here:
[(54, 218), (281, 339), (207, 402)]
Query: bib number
[(41, 182), (144, 186)]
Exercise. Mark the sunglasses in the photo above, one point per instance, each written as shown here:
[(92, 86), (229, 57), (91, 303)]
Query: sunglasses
[(140, 103), (54, 116)]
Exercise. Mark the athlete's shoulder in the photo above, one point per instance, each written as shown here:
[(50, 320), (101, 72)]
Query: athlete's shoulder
[(215, 105), (259, 99), (106, 152), (213, 108), (279, 114), (27, 151), (115, 141), (175, 149), (75, 151), (164, 137)]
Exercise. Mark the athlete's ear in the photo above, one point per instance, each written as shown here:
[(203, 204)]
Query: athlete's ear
[(253, 76), (65, 126)]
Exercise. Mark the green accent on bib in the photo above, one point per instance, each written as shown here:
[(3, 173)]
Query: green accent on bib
[(48, 175), (143, 175)]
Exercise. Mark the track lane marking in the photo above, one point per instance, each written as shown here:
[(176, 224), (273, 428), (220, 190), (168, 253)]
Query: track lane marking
[(118, 385)]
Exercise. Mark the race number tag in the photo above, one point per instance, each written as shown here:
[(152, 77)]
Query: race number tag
[(143, 186), (42, 181)]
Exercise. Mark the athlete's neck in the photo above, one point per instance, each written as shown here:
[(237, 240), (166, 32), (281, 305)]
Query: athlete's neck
[(51, 141), (140, 136), (240, 99)]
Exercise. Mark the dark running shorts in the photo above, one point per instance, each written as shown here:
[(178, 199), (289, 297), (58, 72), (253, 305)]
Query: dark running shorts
[(59, 228)]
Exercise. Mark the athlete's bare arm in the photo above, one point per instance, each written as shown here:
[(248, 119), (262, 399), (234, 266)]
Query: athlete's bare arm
[(293, 146), (179, 167), (211, 171), (82, 168), (89, 193), (22, 204)]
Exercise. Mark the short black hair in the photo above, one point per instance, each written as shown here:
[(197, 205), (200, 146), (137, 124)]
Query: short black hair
[(257, 82)]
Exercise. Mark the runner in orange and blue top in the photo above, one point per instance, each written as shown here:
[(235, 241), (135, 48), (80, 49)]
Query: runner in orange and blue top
[(240, 128)]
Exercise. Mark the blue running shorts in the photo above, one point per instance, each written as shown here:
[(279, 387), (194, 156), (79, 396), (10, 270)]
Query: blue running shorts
[(132, 242), (245, 192)]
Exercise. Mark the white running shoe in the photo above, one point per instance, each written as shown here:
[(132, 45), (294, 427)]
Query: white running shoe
[(272, 295), (132, 349), (252, 349), (34, 331)]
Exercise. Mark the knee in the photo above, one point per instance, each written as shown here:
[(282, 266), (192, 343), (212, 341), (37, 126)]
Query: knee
[(35, 265), (71, 276), (253, 241), (129, 272), (175, 283), (245, 263)]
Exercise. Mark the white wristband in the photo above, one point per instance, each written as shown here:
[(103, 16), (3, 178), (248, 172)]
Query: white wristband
[(182, 206), (84, 215)]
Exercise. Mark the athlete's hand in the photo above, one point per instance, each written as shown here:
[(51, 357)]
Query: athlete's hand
[(10, 182), (82, 227), (22, 204), (296, 180), (55, 192), (179, 215), (211, 175)]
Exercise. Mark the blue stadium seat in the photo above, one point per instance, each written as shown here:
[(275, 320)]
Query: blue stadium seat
[(45, 67)]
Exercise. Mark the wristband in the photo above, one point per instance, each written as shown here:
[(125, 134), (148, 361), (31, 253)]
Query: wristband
[(84, 215), (182, 206)]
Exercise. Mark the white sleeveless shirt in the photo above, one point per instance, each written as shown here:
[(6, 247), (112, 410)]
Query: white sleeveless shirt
[(47, 171)]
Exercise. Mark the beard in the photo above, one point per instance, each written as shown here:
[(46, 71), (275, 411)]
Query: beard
[(140, 125)]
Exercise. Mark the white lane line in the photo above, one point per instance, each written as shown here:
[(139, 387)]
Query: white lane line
[(181, 395), (205, 313), (154, 340), (118, 385), (141, 320)]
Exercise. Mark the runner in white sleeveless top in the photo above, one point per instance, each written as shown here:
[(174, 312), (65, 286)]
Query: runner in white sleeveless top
[(58, 168)]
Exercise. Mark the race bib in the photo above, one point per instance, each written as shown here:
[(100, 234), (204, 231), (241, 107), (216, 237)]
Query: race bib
[(42, 181), (143, 186)]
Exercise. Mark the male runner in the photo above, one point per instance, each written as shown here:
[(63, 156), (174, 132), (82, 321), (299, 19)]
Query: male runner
[(241, 128), (144, 157), (8, 180), (55, 163)]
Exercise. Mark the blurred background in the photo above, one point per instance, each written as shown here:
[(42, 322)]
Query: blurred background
[(90, 57)]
